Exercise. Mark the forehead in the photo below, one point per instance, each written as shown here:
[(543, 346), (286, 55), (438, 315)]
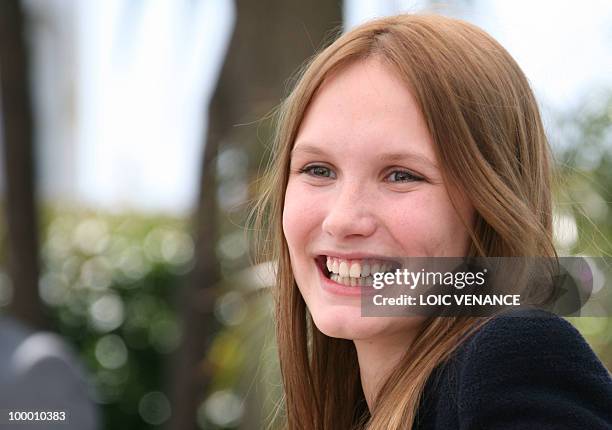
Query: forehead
[(365, 105)]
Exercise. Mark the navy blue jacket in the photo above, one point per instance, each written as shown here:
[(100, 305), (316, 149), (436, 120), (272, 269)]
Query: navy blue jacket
[(529, 371)]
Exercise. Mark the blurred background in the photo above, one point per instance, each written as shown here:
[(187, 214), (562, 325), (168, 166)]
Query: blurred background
[(132, 136)]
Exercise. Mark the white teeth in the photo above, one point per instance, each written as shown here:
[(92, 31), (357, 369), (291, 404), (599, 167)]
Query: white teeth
[(355, 272), (343, 269)]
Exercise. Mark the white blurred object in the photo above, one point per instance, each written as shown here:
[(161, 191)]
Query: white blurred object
[(39, 373), (122, 89)]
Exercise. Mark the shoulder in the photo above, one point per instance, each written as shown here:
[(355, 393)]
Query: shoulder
[(532, 334), (529, 367)]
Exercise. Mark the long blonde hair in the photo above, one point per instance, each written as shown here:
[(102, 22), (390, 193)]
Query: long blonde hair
[(490, 143)]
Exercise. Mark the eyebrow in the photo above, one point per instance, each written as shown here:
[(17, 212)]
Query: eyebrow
[(386, 157)]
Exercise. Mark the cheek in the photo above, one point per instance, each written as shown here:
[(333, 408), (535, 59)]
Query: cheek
[(300, 217), (301, 222), (426, 224), (291, 226)]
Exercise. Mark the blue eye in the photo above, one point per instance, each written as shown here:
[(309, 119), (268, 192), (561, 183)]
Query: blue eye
[(318, 171), (404, 176)]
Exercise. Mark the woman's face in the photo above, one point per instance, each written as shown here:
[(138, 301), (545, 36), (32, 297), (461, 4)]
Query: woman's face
[(364, 187)]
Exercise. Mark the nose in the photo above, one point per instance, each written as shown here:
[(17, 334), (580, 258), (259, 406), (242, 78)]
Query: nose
[(351, 214)]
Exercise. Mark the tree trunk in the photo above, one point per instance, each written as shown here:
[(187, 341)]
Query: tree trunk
[(271, 39), (21, 216)]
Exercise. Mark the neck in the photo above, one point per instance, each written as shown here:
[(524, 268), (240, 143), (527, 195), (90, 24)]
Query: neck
[(377, 359)]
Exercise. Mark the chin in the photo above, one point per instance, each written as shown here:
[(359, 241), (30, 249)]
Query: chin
[(349, 324)]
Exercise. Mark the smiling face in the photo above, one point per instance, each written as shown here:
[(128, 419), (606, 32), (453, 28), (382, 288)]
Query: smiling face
[(364, 187)]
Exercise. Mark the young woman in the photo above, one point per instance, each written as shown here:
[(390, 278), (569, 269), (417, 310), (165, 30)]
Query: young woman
[(415, 136)]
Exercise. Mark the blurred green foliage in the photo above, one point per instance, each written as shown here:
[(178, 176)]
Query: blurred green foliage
[(109, 283), (584, 197)]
